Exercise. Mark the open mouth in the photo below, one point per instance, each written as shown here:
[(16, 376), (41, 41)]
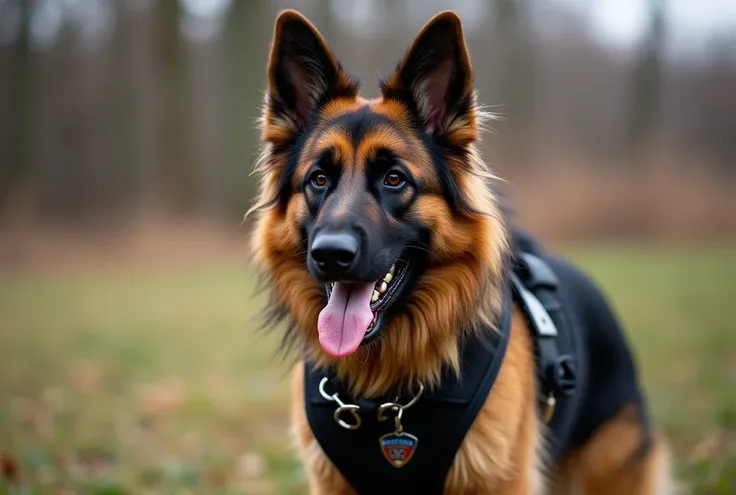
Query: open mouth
[(353, 311), (383, 289)]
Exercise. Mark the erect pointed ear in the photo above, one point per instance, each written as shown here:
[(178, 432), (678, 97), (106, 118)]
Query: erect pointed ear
[(435, 77), (302, 73)]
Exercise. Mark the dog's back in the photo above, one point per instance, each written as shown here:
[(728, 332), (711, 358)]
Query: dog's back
[(602, 438), (606, 375)]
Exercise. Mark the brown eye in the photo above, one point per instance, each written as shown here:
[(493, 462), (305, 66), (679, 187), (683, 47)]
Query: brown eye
[(393, 179), (319, 179)]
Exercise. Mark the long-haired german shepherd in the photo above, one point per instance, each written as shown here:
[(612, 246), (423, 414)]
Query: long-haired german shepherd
[(386, 250)]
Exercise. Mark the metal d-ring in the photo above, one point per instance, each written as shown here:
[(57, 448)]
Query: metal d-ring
[(397, 421), (383, 408), (416, 397), (392, 406), (396, 406), (352, 409), (398, 409)]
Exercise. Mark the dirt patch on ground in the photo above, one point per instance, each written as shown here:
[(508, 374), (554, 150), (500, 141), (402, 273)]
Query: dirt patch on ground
[(155, 243)]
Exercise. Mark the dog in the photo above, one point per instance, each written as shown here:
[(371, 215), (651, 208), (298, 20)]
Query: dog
[(387, 251)]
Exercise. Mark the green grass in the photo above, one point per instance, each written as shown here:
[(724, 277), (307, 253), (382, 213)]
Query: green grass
[(139, 380)]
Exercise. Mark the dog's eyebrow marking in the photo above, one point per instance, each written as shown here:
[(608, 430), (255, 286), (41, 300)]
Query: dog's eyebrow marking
[(357, 122)]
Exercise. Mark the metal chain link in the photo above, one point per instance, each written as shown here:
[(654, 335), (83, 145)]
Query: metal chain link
[(398, 409)]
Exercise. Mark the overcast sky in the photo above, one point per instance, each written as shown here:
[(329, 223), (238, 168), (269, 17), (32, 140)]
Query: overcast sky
[(691, 23)]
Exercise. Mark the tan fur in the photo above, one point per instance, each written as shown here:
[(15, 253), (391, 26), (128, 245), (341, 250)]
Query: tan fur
[(500, 453), (608, 464), (459, 289)]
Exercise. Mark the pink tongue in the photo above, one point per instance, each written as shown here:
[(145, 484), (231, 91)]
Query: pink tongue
[(347, 316)]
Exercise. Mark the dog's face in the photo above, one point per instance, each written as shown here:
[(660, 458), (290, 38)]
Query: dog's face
[(366, 202), (361, 179)]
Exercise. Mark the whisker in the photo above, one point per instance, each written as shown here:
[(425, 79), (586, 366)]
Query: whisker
[(296, 254), (419, 248), (424, 248)]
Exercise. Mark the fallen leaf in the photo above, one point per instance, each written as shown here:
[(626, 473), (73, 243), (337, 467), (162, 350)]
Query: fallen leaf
[(258, 487), (217, 476), (85, 377), (163, 398), (707, 448), (53, 399), (251, 465), (9, 468)]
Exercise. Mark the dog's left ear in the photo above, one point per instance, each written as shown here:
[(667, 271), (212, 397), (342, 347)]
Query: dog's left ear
[(435, 77)]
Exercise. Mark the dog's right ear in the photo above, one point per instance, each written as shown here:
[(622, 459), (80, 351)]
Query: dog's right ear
[(302, 74)]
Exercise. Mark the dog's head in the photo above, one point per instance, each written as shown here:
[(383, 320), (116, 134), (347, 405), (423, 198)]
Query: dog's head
[(374, 216)]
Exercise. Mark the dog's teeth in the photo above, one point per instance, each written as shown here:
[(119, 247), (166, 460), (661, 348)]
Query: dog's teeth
[(383, 288), (374, 297), (392, 269), (388, 278)]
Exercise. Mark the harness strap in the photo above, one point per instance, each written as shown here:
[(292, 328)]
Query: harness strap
[(439, 421), (557, 352)]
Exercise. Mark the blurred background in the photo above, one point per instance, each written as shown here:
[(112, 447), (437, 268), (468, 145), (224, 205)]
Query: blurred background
[(128, 357)]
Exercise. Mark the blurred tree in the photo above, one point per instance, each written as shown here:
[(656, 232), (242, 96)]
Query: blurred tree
[(143, 109), (514, 71), (204, 70), (645, 104), (247, 40), (16, 75), (177, 170)]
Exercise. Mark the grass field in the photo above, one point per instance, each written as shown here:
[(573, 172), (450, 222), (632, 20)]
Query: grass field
[(140, 379)]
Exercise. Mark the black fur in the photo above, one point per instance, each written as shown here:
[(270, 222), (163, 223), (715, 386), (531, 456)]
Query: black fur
[(300, 49)]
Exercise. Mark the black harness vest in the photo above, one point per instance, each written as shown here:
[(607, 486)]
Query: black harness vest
[(438, 421), (375, 458)]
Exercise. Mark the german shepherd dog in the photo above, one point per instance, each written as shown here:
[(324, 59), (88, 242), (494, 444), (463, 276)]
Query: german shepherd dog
[(384, 246)]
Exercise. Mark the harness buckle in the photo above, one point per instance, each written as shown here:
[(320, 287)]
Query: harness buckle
[(562, 374), (549, 408)]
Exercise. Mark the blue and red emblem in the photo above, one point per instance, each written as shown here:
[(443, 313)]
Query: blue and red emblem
[(398, 448)]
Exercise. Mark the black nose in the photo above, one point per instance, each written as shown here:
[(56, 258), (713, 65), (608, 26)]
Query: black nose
[(334, 253)]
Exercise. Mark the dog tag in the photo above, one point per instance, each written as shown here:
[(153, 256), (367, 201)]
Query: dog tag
[(398, 448)]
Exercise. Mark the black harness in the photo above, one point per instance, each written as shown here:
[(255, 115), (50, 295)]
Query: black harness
[(378, 453), (374, 458)]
